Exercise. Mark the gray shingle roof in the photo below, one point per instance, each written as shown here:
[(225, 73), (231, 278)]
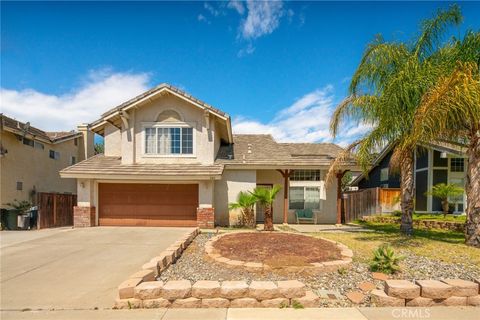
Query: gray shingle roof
[(112, 166), (21, 128), (259, 149)]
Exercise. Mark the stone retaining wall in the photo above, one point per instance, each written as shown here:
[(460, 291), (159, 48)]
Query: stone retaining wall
[(333, 265), (426, 224), (213, 294), (427, 293), (152, 269)]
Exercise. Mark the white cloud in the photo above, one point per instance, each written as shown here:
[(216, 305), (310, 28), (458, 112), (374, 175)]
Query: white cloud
[(100, 91), (236, 5), (263, 18), (213, 11), (306, 120), (202, 18)]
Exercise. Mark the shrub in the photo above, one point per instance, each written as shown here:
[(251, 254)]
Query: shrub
[(385, 260)]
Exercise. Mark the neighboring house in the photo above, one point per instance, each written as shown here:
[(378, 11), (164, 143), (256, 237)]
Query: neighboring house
[(435, 163), (172, 160), (30, 160)]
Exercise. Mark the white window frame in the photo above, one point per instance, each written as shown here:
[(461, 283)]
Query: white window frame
[(192, 125), (304, 186)]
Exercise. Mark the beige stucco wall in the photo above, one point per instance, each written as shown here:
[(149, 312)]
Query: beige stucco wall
[(226, 191), (130, 142), (112, 141), (34, 168), (274, 177)]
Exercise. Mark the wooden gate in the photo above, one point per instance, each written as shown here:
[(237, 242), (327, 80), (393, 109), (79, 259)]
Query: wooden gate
[(55, 209), (368, 202)]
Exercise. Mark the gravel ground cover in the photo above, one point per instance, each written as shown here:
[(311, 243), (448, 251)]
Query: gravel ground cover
[(195, 265)]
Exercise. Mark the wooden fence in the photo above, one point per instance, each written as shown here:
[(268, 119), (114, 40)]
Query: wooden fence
[(55, 209), (368, 202)]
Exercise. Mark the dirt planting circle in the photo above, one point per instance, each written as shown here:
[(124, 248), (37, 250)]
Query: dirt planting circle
[(277, 250)]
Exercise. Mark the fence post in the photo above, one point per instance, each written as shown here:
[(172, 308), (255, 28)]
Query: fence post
[(55, 209)]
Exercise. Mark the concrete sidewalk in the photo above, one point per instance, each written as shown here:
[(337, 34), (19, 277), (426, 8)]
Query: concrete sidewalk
[(435, 313)]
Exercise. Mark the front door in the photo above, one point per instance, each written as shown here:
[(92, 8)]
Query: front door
[(260, 217)]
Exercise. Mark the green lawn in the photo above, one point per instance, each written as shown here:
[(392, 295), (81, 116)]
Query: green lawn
[(447, 246)]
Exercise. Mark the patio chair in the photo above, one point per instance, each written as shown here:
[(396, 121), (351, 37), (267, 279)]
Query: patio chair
[(306, 215)]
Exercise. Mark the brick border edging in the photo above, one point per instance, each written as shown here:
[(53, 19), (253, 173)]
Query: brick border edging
[(346, 253), (152, 269), (428, 293), (213, 294)]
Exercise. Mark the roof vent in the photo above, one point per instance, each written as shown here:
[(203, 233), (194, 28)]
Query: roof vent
[(249, 149)]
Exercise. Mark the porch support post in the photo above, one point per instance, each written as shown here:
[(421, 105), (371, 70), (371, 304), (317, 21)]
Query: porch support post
[(339, 196), (286, 175)]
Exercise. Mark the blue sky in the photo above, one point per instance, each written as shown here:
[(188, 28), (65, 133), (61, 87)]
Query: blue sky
[(276, 67)]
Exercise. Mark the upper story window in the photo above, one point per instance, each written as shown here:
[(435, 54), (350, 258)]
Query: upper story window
[(457, 165), (384, 174), (169, 140), (54, 154), (305, 175), (28, 142)]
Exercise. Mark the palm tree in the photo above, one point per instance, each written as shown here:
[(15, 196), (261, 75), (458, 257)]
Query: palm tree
[(451, 110), (384, 93), (245, 202), (444, 191), (265, 197)]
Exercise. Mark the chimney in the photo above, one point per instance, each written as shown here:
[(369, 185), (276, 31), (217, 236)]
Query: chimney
[(87, 144)]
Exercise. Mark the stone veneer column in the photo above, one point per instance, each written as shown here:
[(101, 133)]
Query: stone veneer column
[(83, 217), (206, 218)]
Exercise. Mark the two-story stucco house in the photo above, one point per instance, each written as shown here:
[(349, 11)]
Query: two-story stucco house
[(30, 160), (172, 160)]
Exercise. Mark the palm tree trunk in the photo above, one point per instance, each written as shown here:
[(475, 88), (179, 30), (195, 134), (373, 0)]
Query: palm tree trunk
[(472, 226), (268, 218), (407, 192)]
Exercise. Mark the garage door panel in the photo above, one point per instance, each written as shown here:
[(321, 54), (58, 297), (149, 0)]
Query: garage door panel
[(148, 204)]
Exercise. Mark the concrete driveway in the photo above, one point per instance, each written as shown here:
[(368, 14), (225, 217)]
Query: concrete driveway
[(74, 268)]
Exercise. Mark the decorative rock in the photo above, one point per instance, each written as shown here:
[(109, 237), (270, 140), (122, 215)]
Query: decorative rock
[(235, 263), (187, 303), (366, 286), (145, 275), (379, 276), (454, 301), (169, 256), (310, 300), (206, 289), (254, 265), (148, 290), (462, 288), (214, 255), (347, 253), (262, 290), (275, 303), (215, 303), (126, 288), (233, 289), (244, 303), (291, 288), (156, 303), (128, 304), (161, 260), (474, 301), (402, 289), (380, 299), (222, 260), (435, 289), (355, 296), (420, 302), (153, 266), (178, 289)]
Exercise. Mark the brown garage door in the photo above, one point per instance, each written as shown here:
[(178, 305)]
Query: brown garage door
[(122, 204)]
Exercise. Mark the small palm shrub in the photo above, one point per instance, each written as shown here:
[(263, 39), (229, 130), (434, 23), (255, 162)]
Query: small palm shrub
[(443, 192), (385, 260)]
